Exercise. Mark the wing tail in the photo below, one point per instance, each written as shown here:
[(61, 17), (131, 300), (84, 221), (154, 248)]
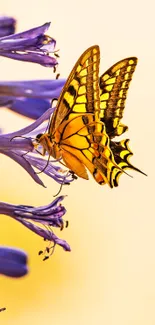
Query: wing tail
[(122, 154)]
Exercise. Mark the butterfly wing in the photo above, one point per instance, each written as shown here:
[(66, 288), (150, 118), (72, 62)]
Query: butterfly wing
[(85, 140), (80, 94), (114, 84), (122, 154)]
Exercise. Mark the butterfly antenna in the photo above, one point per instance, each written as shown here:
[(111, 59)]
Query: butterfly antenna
[(16, 136), (24, 154), (20, 136)]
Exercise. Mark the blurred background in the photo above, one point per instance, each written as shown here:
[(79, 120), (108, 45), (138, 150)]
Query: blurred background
[(109, 277)]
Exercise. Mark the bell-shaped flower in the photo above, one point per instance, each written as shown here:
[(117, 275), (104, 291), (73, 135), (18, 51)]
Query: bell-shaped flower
[(48, 216), (32, 45)]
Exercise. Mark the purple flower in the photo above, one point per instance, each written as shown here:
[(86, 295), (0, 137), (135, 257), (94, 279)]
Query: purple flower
[(13, 262), (47, 216), (31, 45), (7, 26), (29, 107), (30, 98), (19, 146)]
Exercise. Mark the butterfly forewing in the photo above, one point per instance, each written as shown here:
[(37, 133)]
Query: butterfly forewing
[(75, 123), (114, 84), (80, 94)]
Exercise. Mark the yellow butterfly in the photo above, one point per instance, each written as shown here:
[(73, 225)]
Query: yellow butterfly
[(77, 131)]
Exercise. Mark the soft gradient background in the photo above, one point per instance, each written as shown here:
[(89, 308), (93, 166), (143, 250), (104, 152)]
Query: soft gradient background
[(109, 277)]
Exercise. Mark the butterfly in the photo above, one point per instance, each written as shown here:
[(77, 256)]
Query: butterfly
[(79, 127)]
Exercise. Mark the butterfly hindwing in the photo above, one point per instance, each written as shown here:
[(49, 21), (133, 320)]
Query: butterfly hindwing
[(122, 154), (84, 140), (114, 84)]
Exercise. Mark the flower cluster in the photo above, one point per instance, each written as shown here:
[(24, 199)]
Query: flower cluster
[(32, 99)]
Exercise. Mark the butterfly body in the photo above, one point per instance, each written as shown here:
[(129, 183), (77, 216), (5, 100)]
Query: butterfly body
[(87, 118)]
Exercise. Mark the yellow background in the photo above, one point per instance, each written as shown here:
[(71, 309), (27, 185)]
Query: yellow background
[(109, 277)]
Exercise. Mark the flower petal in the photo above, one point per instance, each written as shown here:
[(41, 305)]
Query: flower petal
[(30, 107), (7, 26), (30, 33), (6, 21), (47, 89), (46, 234), (30, 98), (59, 175), (32, 126), (24, 163), (45, 60), (13, 262), (8, 143), (48, 216)]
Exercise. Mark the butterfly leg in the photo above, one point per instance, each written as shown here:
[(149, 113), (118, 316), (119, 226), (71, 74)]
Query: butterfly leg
[(41, 153), (44, 166)]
